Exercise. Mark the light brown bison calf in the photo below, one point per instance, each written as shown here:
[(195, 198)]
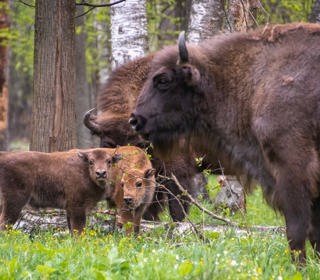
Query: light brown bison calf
[(132, 186), (59, 180)]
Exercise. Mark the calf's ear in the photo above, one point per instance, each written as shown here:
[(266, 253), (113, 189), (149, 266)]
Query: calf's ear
[(116, 158), (83, 156), (149, 173)]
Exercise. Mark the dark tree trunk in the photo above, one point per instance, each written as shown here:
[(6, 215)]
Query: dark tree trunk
[(53, 114)]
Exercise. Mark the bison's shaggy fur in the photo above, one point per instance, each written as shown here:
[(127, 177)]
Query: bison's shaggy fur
[(59, 180), (115, 103), (252, 98)]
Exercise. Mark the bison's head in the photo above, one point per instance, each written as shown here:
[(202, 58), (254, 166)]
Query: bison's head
[(136, 185), (99, 162), (112, 131), (167, 108)]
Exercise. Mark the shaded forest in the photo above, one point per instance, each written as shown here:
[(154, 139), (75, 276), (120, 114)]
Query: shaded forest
[(94, 50)]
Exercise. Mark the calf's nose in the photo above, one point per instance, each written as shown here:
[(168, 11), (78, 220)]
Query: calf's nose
[(128, 200), (137, 122), (101, 173)]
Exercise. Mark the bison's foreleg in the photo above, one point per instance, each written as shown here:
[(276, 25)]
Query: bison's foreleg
[(77, 219), (295, 203), (178, 204), (125, 219), (314, 235)]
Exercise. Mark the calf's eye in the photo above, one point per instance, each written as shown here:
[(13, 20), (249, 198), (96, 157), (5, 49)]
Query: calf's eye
[(91, 162), (139, 184)]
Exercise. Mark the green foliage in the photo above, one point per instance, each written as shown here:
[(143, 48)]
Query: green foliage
[(162, 23), (97, 24), (284, 11), (154, 255), (21, 36)]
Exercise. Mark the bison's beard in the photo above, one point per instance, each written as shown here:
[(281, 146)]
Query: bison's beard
[(168, 145)]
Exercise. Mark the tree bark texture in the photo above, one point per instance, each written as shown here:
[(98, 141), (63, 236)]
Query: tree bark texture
[(242, 14), (4, 24), (206, 19), (53, 114), (128, 31)]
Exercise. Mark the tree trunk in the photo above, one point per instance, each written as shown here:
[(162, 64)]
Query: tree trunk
[(4, 24), (83, 102), (242, 14), (53, 113), (128, 31), (315, 12), (206, 18)]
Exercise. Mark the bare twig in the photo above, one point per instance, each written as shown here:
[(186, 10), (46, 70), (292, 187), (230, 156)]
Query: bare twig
[(27, 4), (99, 5), (193, 201)]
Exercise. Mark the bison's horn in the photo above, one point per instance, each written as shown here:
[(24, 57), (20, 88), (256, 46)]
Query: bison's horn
[(89, 121), (183, 52)]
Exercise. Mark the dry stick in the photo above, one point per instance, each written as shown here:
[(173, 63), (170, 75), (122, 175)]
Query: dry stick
[(184, 212)]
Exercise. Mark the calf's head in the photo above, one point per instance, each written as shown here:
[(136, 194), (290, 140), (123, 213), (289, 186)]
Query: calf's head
[(167, 107), (99, 163), (136, 185)]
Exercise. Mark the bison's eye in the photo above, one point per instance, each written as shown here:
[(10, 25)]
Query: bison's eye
[(91, 162), (139, 184), (162, 81)]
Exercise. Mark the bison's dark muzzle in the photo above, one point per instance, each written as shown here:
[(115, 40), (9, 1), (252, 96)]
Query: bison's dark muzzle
[(137, 122)]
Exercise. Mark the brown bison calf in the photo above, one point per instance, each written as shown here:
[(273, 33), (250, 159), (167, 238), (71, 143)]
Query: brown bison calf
[(59, 180), (132, 186)]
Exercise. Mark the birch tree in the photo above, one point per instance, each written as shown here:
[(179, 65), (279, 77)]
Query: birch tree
[(128, 31), (206, 19)]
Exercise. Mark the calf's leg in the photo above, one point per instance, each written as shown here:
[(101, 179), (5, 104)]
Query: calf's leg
[(11, 208)]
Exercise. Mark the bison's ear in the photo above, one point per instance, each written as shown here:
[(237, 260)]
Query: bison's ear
[(83, 156), (116, 158), (190, 74), (149, 173)]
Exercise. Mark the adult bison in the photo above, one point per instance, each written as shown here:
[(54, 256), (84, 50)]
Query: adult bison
[(254, 98), (115, 103)]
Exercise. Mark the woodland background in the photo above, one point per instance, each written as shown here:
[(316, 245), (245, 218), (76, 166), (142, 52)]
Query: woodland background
[(56, 54)]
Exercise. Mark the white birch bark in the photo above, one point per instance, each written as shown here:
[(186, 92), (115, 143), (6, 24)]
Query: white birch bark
[(128, 31), (205, 19)]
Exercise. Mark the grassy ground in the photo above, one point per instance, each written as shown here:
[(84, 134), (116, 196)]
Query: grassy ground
[(159, 253)]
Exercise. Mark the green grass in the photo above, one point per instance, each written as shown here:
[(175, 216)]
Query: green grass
[(158, 255)]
